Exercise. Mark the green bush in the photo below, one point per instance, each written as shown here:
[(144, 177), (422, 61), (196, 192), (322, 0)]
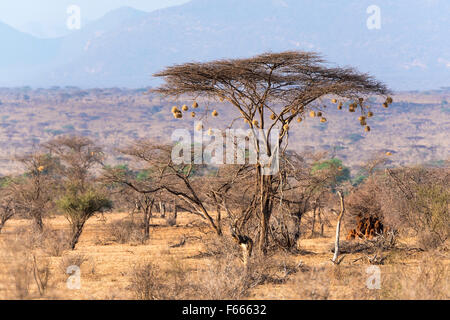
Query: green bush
[(78, 207)]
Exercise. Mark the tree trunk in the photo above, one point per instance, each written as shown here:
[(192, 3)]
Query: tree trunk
[(38, 223), (265, 189), (338, 229), (313, 222), (298, 232), (147, 217), (321, 221), (76, 233), (219, 221), (162, 209)]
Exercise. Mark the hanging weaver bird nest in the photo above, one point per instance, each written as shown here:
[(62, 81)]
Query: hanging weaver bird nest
[(299, 119), (193, 114), (351, 109), (323, 120), (195, 105), (184, 108), (255, 123), (361, 118), (363, 122), (273, 116), (293, 111), (367, 129), (340, 106), (385, 105), (312, 114), (178, 115), (175, 109), (215, 113), (333, 101), (389, 100), (41, 168), (370, 114), (389, 153)]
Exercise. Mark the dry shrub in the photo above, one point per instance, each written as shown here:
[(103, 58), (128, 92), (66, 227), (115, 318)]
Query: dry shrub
[(226, 276), (171, 220), (146, 283), (150, 282), (221, 246), (20, 272), (28, 272), (126, 231), (419, 198), (41, 274), (313, 284), (329, 282), (56, 242), (74, 259), (428, 281), (52, 242), (364, 202)]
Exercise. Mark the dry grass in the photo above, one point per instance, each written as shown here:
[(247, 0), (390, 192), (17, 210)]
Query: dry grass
[(206, 267)]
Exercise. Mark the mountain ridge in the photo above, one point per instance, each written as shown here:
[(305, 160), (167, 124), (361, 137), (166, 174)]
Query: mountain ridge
[(126, 46)]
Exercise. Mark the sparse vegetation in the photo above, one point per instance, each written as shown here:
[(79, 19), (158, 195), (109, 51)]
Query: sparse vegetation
[(159, 229)]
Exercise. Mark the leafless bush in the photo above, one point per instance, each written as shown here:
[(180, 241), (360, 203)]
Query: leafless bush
[(419, 198), (146, 282), (126, 231), (56, 242), (428, 281), (150, 282), (364, 201), (226, 276), (171, 220), (223, 246), (75, 259), (20, 272), (7, 207), (29, 273), (33, 192), (313, 284), (41, 274)]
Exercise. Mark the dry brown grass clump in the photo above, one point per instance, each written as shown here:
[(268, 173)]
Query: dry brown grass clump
[(429, 280), (126, 231), (74, 259), (146, 283), (27, 273)]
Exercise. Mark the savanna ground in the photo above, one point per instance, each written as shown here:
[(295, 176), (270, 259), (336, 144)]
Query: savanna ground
[(186, 261)]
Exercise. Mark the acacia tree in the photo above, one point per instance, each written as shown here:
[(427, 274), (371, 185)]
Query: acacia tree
[(135, 186), (81, 197), (283, 86), (7, 204), (33, 192)]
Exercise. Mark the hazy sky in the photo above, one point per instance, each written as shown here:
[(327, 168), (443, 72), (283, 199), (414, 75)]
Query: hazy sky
[(48, 16)]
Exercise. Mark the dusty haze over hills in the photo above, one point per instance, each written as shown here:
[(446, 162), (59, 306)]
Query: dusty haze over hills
[(410, 51)]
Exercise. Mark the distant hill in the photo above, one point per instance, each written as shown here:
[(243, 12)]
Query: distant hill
[(414, 129), (410, 51)]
